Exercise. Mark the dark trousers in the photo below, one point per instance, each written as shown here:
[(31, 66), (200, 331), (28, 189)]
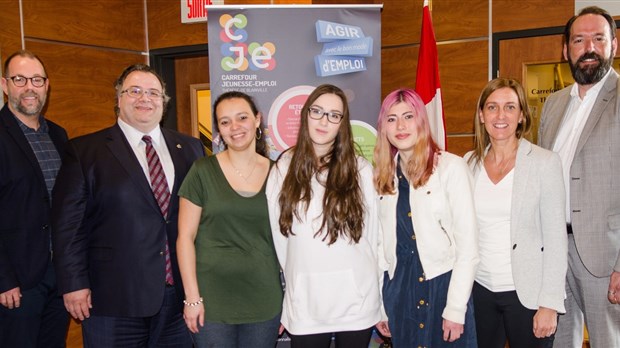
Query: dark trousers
[(41, 319), (165, 329), (500, 316), (344, 339)]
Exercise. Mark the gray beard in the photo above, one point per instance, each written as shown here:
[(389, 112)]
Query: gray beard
[(31, 111)]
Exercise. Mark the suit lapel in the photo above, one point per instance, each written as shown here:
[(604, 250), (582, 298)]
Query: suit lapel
[(559, 111), (15, 132), (519, 184), (175, 148), (602, 102), (120, 148), (176, 154)]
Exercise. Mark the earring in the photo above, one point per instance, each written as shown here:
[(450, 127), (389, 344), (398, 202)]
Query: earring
[(259, 133)]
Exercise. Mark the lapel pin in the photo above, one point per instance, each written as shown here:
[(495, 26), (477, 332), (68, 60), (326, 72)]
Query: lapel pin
[(179, 146)]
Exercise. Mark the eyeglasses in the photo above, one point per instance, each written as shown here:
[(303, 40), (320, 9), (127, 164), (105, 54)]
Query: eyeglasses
[(316, 113), (20, 81), (137, 92)]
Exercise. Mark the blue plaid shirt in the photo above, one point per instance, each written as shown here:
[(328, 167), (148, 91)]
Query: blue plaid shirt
[(44, 150)]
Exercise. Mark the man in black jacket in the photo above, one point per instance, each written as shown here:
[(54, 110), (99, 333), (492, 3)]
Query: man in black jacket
[(32, 313)]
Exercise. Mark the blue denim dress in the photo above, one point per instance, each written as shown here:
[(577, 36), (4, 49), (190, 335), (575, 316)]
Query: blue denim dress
[(414, 304)]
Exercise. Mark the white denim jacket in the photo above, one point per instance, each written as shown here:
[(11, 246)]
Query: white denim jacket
[(444, 221)]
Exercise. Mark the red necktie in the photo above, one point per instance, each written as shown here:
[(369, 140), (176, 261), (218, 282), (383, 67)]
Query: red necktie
[(159, 185)]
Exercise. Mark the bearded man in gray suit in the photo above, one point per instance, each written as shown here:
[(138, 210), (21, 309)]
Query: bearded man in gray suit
[(582, 123)]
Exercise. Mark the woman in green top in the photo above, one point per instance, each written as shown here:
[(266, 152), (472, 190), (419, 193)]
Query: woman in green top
[(233, 294)]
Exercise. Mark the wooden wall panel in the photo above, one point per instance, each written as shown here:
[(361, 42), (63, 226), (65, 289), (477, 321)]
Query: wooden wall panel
[(166, 29), (398, 68), (401, 21), (81, 91), (463, 70), (460, 19), (509, 15), (109, 23), (10, 34), (460, 145), (188, 71), (514, 53), (463, 73)]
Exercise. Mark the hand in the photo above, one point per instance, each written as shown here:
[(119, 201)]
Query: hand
[(281, 329), (451, 331), (613, 291), (78, 303), (11, 298), (194, 317), (384, 328), (545, 322)]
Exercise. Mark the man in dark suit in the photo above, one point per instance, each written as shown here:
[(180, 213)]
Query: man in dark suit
[(114, 232), (31, 310), (582, 123)]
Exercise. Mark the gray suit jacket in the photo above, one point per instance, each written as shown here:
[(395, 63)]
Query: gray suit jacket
[(537, 227), (594, 176)]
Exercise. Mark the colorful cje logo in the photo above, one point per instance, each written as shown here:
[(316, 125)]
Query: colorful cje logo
[(237, 53)]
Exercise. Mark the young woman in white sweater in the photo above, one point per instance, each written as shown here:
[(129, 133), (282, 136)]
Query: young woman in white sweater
[(323, 214)]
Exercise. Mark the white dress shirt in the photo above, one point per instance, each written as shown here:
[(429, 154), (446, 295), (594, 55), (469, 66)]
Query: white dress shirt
[(134, 137)]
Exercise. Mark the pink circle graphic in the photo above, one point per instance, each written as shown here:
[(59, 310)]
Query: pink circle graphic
[(284, 116)]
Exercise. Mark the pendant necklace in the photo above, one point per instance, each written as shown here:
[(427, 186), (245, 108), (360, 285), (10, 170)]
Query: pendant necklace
[(244, 177)]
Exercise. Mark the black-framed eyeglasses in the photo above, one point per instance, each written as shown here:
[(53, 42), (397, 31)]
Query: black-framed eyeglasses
[(21, 81), (317, 113), (137, 92)]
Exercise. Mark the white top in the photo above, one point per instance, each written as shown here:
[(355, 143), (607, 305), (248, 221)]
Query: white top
[(329, 288), (570, 130), (134, 137), (493, 209)]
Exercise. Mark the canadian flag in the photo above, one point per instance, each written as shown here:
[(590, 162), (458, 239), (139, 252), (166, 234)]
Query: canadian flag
[(427, 79)]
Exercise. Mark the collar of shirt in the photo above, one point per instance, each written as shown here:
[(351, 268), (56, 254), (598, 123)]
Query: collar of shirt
[(43, 128), (134, 136)]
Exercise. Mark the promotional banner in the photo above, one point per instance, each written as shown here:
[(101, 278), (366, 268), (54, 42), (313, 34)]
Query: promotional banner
[(279, 54)]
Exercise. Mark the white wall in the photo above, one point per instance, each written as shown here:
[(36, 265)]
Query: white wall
[(612, 6)]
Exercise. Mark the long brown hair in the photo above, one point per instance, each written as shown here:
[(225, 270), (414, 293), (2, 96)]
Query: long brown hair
[(343, 204), (421, 165), (481, 136)]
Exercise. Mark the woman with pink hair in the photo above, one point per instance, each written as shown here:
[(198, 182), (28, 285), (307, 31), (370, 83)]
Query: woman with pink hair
[(429, 228)]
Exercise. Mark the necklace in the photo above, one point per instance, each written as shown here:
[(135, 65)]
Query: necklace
[(238, 172), (504, 165)]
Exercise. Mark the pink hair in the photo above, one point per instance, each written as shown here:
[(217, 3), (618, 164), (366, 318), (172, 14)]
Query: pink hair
[(420, 166)]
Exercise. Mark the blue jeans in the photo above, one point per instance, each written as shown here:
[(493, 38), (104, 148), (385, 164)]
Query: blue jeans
[(263, 334)]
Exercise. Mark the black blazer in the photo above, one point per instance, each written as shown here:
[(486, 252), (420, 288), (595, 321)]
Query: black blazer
[(108, 231), (24, 206)]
